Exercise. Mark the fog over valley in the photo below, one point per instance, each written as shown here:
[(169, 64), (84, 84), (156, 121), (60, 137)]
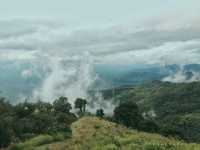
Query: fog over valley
[(44, 57)]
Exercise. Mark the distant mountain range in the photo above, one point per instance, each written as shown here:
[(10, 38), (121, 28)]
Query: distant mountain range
[(137, 74), (13, 82)]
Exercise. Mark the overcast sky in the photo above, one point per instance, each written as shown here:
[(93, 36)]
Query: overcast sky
[(114, 29), (95, 12), (65, 37)]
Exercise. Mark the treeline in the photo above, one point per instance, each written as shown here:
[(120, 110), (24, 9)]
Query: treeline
[(175, 106), (26, 120)]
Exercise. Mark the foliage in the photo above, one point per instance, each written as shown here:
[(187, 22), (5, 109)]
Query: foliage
[(27, 120), (166, 108), (111, 136), (100, 113), (81, 104), (173, 106), (148, 126), (107, 136), (128, 114), (62, 105), (5, 134)]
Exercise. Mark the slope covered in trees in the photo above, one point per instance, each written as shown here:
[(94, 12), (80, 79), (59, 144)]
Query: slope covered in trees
[(174, 106)]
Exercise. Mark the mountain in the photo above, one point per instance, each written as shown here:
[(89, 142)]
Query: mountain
[(91, 133), (118, 75), (172, 105), (19, 80), (125, 75)]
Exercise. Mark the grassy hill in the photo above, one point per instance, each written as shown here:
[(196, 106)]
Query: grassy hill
[(91, 133)]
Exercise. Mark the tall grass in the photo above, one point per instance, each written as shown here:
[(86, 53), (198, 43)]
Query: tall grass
[(39, 140)]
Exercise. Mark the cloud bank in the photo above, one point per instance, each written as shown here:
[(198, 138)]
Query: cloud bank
[(65, 57), (165, 38)]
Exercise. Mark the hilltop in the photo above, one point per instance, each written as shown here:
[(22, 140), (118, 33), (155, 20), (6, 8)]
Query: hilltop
[(91, 133)]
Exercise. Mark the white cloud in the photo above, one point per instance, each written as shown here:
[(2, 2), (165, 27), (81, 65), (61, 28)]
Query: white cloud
[(59, 40), (65, 55), (183, 77), (72, 79), (19, 55)]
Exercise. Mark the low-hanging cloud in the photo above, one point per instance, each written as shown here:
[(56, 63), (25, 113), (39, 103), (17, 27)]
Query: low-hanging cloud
[(66, 56)]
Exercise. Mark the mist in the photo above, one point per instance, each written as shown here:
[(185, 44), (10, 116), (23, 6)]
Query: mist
[(64, 59)]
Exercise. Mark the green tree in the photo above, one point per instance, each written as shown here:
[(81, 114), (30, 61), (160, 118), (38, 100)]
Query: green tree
[(62, 105), (127, 113), (100, 113), (148, 126), (5, 107), (81, 104), (43, 107), (24, 109), (5, 136), (5, 131)]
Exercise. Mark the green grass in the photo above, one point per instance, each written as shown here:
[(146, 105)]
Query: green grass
[(91, 133), (38, 141), (111, 136)]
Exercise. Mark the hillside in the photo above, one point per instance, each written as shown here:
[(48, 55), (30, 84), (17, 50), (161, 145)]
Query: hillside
[(91, 133), (175, 106)]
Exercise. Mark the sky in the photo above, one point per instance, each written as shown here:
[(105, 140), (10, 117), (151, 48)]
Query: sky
[(33, 27), (60, 41), (94, 12)]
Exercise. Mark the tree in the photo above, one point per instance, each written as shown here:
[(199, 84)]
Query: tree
[(43, 106), (5, 107), (5, 131), (81, 104), (5, 136), (100, 113), (148, 126), (127, 113), (62, 105), (24, 109)]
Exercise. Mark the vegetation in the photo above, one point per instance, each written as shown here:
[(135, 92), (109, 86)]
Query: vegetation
[(81, 105), (171, 110), (38, 141), (172, 106), (91, 133), (62, 105), (127, 113), (100, 113), (26, 120)]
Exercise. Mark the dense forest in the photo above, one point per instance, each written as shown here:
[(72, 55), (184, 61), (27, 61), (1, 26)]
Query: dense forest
[(173, 106)]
